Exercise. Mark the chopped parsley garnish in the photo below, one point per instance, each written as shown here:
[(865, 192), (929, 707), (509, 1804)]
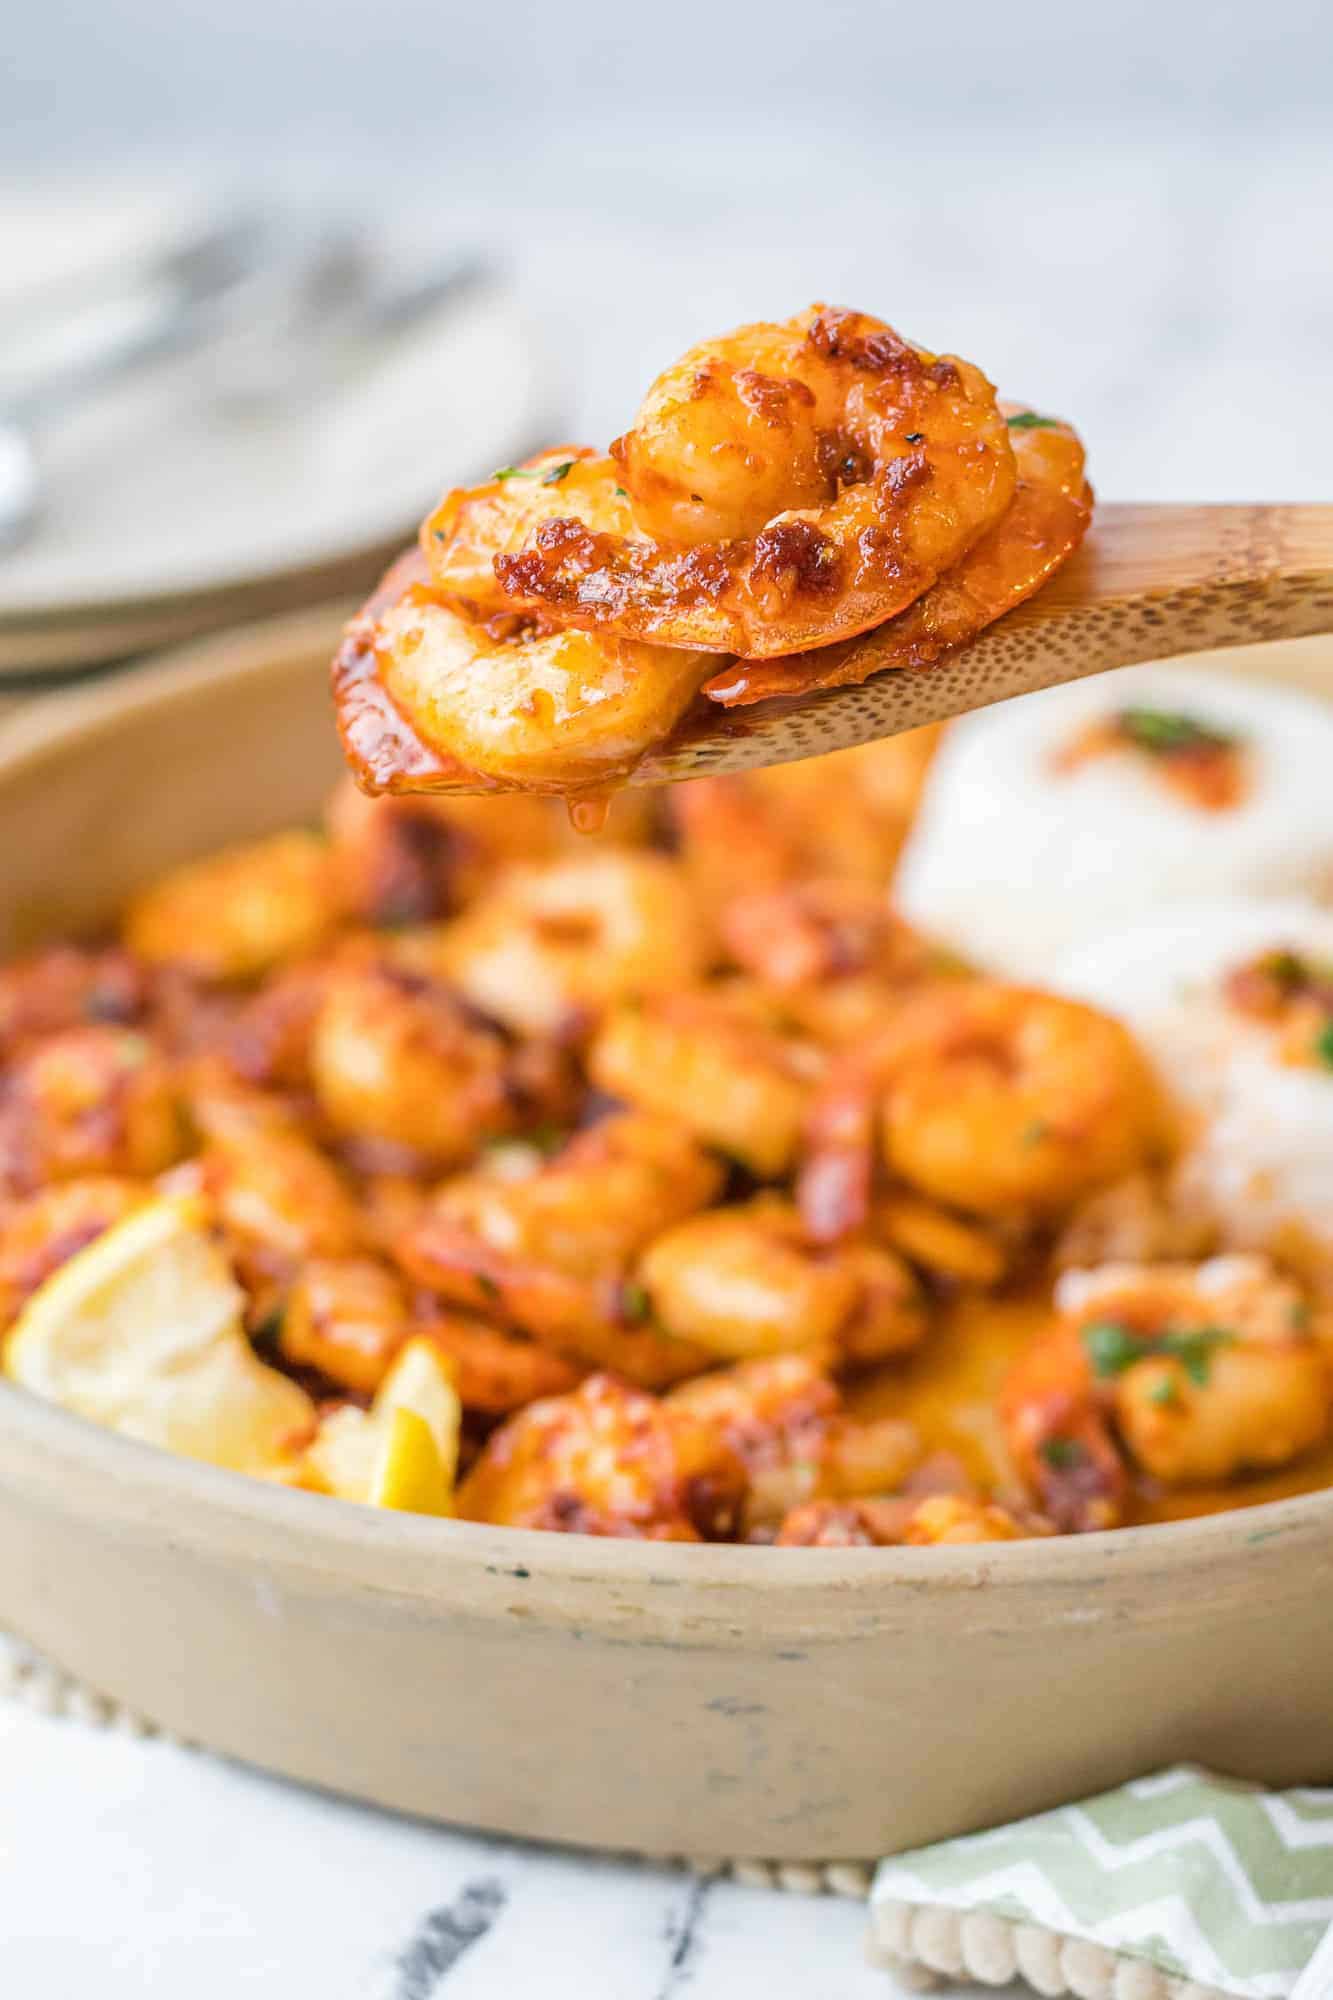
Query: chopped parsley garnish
[(1323, 1043), (1194, 1349), (1028, 420), (1062, 1454), (621, 494), (635, 1302), (1286, 969), (1163, 1393), (552, 476), (1111, 1348), (1167, 734), (265, 1335)]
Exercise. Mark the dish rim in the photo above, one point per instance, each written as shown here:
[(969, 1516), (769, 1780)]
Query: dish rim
[(306, 1522)]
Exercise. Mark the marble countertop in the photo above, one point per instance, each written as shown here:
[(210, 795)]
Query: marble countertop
[(132, 1867)]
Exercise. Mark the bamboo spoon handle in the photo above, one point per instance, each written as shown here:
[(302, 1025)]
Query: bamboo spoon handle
[(1150, 582)]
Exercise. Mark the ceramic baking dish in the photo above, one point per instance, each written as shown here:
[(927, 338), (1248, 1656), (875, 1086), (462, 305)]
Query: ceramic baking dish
[(711, 1701)]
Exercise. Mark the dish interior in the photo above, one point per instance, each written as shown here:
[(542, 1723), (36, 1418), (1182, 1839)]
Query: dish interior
[(465, 1136)]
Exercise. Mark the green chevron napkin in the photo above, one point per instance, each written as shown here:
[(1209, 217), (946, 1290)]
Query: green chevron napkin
[(1181, 1886)]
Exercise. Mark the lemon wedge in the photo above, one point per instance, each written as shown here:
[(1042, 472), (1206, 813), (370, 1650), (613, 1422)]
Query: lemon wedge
[(408, 1474), (142, 1331), (403, 1451)]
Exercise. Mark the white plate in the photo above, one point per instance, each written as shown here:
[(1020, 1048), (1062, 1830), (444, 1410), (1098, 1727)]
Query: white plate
[(164, 514)]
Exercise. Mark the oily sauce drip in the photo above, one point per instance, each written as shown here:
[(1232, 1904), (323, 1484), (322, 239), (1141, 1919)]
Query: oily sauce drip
[(588, 811)]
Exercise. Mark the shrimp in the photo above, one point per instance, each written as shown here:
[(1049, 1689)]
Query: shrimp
[(238, 914), (606, 1460), (1140, 1219), (962, 1252), (819, 932), (279, 1201), (940, 1519), (97, 1100), (396, 1063), (65, 987), (844, 816), (785, 1420), (497, 1373), (1049, 517), (429, 696), (551, 1253), (997, 1100), (554, 946), (268, 1038), (782, 487), (722, 1061), (1190, 1372), (346, 1317), (595, 1203), (38, 1235), (411, 860), (745, 1281)]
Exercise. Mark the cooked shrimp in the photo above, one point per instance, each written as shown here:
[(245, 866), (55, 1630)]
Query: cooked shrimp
[(1049, 517), (395, 1062), (841, 959), (1001, 1099), (240, 913), (88, 1101), (738, 1282), (65, 987), (965, 1252), (411, 860), (429, 695), (606, 1460), (1138, 1220), (554, 946), (390, 1204), (844, 816), (346, 1317), (942, 1518), (997, 1100), (722, 1061), (785, 1420), (473, 525), (745, 1281), (268, 1038), (551, 1253), (1192, 1373), (787, 486), (595, 1203), (279, 1202), (956, 1517), (868, 1523), (497, 1373), (823, 931), (38, 1235)]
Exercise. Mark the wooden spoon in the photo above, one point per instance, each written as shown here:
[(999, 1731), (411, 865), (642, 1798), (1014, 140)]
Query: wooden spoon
[(1150, 582)]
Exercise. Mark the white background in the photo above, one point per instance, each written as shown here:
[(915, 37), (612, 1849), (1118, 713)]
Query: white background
[(1125, 212)]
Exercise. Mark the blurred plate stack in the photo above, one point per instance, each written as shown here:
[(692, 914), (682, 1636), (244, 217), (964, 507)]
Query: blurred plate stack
[(215, 414)]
